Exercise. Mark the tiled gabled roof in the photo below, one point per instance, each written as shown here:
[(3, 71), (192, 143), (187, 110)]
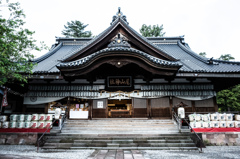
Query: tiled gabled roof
[(191, 61), (173, 48), (120, 50)]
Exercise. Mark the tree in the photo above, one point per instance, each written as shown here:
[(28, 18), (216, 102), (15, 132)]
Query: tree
[(75, 29), (152, 31), (226, 57), (229, 99), (203, 54), (15, 46)]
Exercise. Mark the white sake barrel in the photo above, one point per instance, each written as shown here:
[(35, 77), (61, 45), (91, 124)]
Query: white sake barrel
[(34, 124), (206, 125), (13, 124), (237, 124), (13, 117), (193, 124), (198, 117), (214, 117), (49, 117), (27, 124), (28, 118), (237, 117), (3, 118), (20, 124), (215, 124), (191, 117), (229, 117), (230, 124), (35, 117), (41, 125), (5, 124), (205, 117), (48, 124), (20, 117), (42, 117), (198, 124), (222, 117), (222, 124)]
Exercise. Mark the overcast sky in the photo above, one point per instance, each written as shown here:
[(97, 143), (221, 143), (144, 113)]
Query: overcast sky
[(211, 26)]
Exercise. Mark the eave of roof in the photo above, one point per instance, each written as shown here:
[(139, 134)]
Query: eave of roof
[(155, 60)]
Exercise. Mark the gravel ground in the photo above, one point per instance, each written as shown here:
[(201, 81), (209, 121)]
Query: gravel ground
[(28, 151), (211, 152)]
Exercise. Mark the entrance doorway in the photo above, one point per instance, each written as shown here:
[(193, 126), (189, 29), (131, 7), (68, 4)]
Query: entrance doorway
[(120, 108)]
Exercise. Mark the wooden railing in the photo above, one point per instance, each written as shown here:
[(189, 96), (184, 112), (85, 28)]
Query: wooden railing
[(178, 120), (41, 141)]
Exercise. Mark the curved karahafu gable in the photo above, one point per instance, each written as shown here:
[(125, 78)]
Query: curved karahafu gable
[(119, 25), (119, 53)]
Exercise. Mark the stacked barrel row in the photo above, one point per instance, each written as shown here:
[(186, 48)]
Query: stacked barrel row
[(214, 120), (33, 121)]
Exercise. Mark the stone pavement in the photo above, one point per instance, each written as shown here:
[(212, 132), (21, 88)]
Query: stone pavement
[(29, 152), (116, 154)]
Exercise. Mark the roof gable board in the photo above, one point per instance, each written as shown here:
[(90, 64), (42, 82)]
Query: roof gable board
[(135, 40)]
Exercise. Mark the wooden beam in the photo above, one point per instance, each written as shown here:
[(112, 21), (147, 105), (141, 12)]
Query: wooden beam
[(215, 104)]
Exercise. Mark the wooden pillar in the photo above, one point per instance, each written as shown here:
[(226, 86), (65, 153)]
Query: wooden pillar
[(193, 106), (106, 108), (215, 104), (46, 108), (24, 107), (90, 103), (170, 105), (149, 109), (132, 107)]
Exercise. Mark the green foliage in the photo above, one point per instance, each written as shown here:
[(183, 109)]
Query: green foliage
[(229, 98), (15, 46), (226, 57), (203, 54), (152, 31), (75, 29)]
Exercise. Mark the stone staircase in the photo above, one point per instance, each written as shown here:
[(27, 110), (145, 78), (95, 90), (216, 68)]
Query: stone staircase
[(125, 134)]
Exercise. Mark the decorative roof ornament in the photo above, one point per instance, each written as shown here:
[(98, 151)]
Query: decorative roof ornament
[(119, 14), (119, 41)]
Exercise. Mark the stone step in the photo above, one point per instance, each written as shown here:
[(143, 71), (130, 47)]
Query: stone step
[(118, 132), (68, 145), (113, 134), (71, 138), (119, 128), (119, 120), (122, 141), (53, 148), (120, 125), (117, 136)]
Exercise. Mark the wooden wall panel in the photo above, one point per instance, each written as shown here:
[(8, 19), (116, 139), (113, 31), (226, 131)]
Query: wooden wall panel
[(160, 102), (99, 113), (205, 103), (139, 103), (161, 112), (140, 112), (205, 109)]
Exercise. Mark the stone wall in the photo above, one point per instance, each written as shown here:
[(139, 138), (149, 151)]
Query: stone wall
[(18, 138), (222, 138)]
